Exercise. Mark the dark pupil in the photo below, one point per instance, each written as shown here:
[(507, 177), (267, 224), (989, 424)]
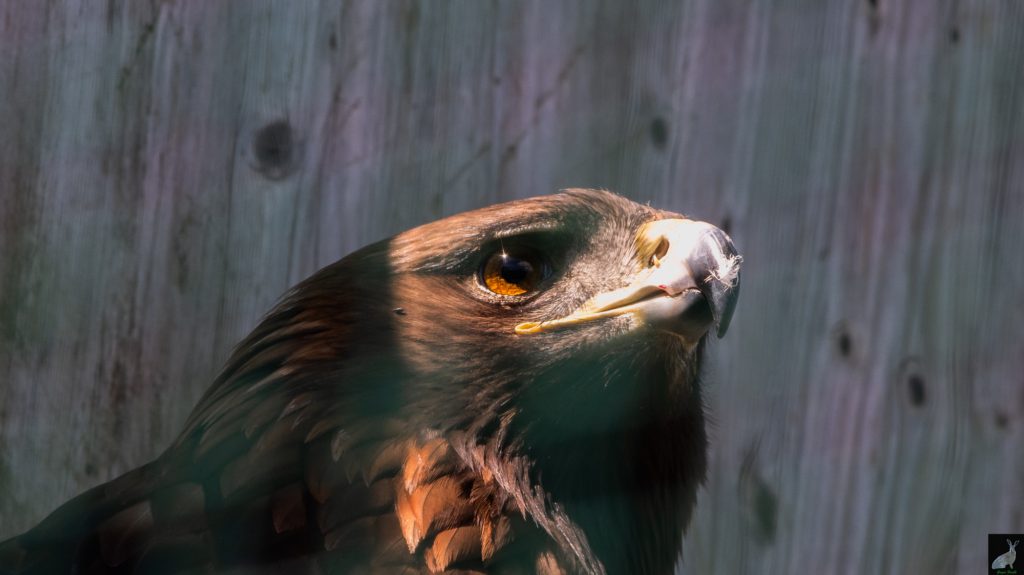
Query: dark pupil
[(515, 270)]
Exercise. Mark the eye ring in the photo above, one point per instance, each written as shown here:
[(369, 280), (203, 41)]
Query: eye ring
[(512, 272)]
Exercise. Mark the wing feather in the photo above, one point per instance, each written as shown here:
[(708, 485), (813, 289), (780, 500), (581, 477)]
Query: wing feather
[(288, 509), (452, 545), (123, 534)]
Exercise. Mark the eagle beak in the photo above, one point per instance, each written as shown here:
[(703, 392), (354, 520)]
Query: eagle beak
[(689, 282)]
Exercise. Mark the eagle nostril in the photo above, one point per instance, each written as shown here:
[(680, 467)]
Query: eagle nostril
[(658, 254)]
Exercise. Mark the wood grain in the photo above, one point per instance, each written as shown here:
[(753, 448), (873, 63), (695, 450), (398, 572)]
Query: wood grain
[(168, 169)]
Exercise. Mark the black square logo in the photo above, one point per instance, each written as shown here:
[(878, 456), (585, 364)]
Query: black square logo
[(1002, 553)]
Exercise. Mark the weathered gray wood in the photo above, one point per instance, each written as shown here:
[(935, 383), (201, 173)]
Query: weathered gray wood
[(867, 158)]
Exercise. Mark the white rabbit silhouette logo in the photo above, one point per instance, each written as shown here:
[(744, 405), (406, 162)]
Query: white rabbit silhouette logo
[(1006, 559)]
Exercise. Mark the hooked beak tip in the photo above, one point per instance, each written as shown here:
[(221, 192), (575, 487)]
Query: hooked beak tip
[(716, 267), (699, 258)]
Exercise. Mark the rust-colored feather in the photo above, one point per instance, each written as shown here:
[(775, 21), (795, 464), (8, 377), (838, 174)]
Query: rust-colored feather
[(547, 564), (274, 437), (340, 444), (228, 403), (263, 414), (300, 401), (353, 466), (182, 505), (288, 509), (352, 534), (279, 375), (388, 460), (269, 466), (315, 469), (423, 464), (321, 427), (494, 534), (216, 434), (429, 501), (380, 533), (124, 534), (356, 501), (377, 429), (407, 520), (322, 473), (389, 545), (276, 354), (452, 545), (417, 510), (235, 474)]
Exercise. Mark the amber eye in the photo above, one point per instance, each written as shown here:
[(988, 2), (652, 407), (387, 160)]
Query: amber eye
[(512, 273)]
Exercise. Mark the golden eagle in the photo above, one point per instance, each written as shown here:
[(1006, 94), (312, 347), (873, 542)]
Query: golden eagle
[(510, 390)]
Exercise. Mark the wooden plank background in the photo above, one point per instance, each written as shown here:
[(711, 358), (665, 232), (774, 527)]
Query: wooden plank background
[(168, 169)]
